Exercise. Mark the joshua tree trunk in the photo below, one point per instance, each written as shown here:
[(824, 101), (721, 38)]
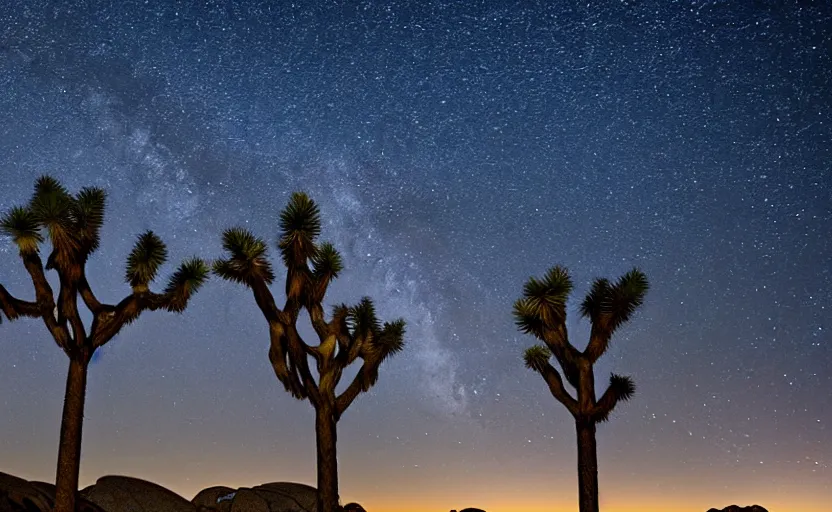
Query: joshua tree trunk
[(587, 467), (326, 433), (69, 450)]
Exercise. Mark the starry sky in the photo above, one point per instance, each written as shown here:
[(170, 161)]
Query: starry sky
[(455, 149)]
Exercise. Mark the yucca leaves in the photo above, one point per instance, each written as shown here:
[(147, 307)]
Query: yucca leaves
[(242, 244), (52, 205), (544, 301), (620, 389), (301, 216), (72, 223), (391, 338), (89, 214), (381, 340), (536, 357), (22, 226), (248, 258), (552, 290), (609, 305), (548, 296), (148, 254), (300, 225), (187, 280), (362, 319), (327, 262), (629, 293), (598, 300), (527, 318)]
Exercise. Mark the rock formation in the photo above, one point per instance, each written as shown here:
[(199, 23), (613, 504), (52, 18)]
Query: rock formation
[(19, 495), (737, 508), (126, 494), (273, 497)]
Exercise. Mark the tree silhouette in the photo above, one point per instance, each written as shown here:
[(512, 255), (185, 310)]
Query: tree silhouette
[(352, 332), (73, 224), (542, 313)]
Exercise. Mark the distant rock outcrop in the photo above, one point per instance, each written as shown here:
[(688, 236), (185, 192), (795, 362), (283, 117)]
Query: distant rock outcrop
[(19, 495), (470, 510), (273, 497), (737, 508), (214, 498), (126, 494)]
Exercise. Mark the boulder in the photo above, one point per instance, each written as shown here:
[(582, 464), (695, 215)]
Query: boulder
[(288, 496), (273, 497), (17, 492), (246, 500), (18, 495), (737, 508), (125, 494), (214, 498)]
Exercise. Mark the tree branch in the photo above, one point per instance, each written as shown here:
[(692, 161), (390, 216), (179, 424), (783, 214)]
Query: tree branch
[(109, 323), (599, 341), (359, 384), (46, 300), (277, 356), (89, 297), (568, 357), (265, 301), (14, 308), (555, 383), (620, 389), (298, 352), (68, 310)]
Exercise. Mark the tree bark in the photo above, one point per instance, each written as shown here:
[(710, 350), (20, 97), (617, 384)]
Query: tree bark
[(587, 467), (326, 437), (69, 450)]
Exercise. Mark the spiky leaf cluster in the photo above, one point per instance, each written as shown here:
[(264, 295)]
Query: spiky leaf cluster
[(362, 319), (88, 211), (248, 258), (148, 254), (621, 389), (52, 205), (187, 279), (382, 340), (327, 262), (536, 357), (391, 338), (72, 223), (22, 226), (300, 225), (609, 305), (382, 344), (543, 304)]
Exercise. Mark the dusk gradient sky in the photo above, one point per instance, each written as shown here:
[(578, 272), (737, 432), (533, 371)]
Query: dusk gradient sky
[(455, 149)]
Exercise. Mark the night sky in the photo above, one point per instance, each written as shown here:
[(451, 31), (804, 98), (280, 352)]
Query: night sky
[(455, 149)]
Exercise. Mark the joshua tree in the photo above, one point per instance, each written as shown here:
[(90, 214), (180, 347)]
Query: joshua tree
[(73, 224), (351, 333), (542, 313)]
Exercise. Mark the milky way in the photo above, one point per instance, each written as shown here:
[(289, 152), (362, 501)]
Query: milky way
[(455, 150)]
